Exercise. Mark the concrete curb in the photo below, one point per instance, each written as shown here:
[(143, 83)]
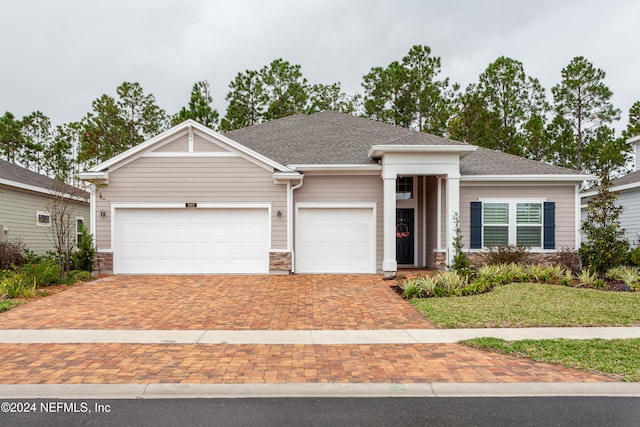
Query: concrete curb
[(214, 391), (320, 337)]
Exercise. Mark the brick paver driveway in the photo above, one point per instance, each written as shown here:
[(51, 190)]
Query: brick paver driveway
[(243, 303), (222, 302)]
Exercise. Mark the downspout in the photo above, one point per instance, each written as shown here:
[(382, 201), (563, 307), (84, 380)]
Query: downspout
[(290, 220)]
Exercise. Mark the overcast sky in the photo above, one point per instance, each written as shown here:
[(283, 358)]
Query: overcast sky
[(58, 56)]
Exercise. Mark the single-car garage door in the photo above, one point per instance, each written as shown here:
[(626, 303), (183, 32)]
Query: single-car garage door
[(335, 240), (188, 241)]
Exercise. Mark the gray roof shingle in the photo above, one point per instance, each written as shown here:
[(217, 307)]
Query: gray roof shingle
[(15, 173), (631, 178), (334, 138)]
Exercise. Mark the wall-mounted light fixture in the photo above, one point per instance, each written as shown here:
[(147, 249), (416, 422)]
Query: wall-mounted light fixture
[(279, 214), (103, 213)]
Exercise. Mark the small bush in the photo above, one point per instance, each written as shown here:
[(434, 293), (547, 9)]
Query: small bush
[(11, 253), (478, 286), (506, 254), (409, 289), (18, 284), (587, 278), (567, 278), (44, 273), (568, 258), (84, 257), (627, 275), (450, 282), (634, 257)]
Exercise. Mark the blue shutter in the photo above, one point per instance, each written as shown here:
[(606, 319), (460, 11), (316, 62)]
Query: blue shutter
[(549, 225), (476, 225)]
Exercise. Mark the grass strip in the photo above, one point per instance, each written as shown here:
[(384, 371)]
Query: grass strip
[(617, 358), (8, 304)]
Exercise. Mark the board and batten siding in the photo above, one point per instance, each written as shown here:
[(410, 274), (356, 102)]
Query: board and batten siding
[(563, 196), (18, 214), (192, 179), (346, 189)]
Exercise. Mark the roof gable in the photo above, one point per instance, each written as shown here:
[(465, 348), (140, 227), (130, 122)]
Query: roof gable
[(187, 139)]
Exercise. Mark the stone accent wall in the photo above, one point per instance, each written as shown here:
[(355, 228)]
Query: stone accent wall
[(439, 260), (104, 262), (279, 262)]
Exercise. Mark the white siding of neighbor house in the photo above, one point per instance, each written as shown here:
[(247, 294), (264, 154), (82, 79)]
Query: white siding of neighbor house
[(346, 189), (192, 179), (18, 214), (563, 195)]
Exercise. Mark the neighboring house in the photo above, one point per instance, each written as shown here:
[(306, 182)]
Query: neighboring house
[(321, 193), (25, 203), (628, 189)]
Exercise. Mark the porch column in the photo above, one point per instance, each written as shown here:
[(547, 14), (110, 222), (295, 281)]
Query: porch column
[(453, 206), (389, 264)]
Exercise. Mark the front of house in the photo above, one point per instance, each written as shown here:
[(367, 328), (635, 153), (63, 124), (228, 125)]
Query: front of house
[(321, 193)]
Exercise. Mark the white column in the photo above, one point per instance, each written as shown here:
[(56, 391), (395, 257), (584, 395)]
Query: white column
[(389, 263), (453, 206)]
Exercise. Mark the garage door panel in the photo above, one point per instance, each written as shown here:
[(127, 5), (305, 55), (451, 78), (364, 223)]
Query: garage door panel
[(335, 240), (192, 241)]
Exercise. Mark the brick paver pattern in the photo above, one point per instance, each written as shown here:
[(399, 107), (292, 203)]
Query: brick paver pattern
[(243, 303), (237, 364), (222, 302)]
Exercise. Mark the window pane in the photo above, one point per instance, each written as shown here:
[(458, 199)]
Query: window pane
[(496, 236), (404, 188), (496, 213), (529, 236), (529, 213)]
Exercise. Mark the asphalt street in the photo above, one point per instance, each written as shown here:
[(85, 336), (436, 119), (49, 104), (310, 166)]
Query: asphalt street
[(481, 411)]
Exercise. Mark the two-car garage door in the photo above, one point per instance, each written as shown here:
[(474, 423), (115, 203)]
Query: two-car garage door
[(174, 241)]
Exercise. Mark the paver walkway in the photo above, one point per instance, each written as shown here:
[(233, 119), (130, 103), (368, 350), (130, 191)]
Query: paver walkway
[(228, 303)]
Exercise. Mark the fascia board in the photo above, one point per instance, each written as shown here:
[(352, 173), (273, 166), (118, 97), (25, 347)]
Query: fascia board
[(335, 167), (523, 178), (40, 190), (634, 139), (378, 150), (616, 189)]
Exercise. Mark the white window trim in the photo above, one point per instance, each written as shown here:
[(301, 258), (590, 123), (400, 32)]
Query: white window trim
[(78, 218), (43, 213), (513, 226)]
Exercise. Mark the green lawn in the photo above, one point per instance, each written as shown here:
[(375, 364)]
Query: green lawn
[(530, 305), (615, 358)]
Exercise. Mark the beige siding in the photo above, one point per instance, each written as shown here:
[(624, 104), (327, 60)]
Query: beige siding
[(346, 189), (18, 210), (192, 179), (563, 196), (200, 144), (181, 144)]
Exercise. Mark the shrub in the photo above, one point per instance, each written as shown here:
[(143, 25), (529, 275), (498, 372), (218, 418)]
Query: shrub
[(18, 284), (506, 254), (461, 263), (627, 275), (11, 253), (478, 286), (450, 283), (634, 257), (84, 257), (568, 258), (409, 289), (44, 273), (567, 278), (587, 278)]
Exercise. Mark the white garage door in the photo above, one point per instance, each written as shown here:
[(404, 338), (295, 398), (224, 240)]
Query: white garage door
[(335, 240), (175, 241)]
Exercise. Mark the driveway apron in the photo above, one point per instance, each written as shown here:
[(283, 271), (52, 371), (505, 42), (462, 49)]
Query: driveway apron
[(233, 303)]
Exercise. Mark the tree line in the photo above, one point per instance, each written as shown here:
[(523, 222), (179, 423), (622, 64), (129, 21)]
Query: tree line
[(506, 110)]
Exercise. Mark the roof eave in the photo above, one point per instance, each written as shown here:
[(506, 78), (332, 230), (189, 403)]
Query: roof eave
[(377, 151), (529, 177)]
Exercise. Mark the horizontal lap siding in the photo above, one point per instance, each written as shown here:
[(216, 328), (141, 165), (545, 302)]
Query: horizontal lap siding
[(563, 196), (180, 144), (630, 217), (204, 179), (346, 189), (18, 213)]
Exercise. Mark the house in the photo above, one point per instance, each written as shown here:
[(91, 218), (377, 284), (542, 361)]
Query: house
[(26, 200), (321, 193), (628, 190)]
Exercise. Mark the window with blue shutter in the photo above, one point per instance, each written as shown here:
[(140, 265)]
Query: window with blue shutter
[(549, 225)]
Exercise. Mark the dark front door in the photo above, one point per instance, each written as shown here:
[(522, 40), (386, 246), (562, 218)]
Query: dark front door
[(404, 236)]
